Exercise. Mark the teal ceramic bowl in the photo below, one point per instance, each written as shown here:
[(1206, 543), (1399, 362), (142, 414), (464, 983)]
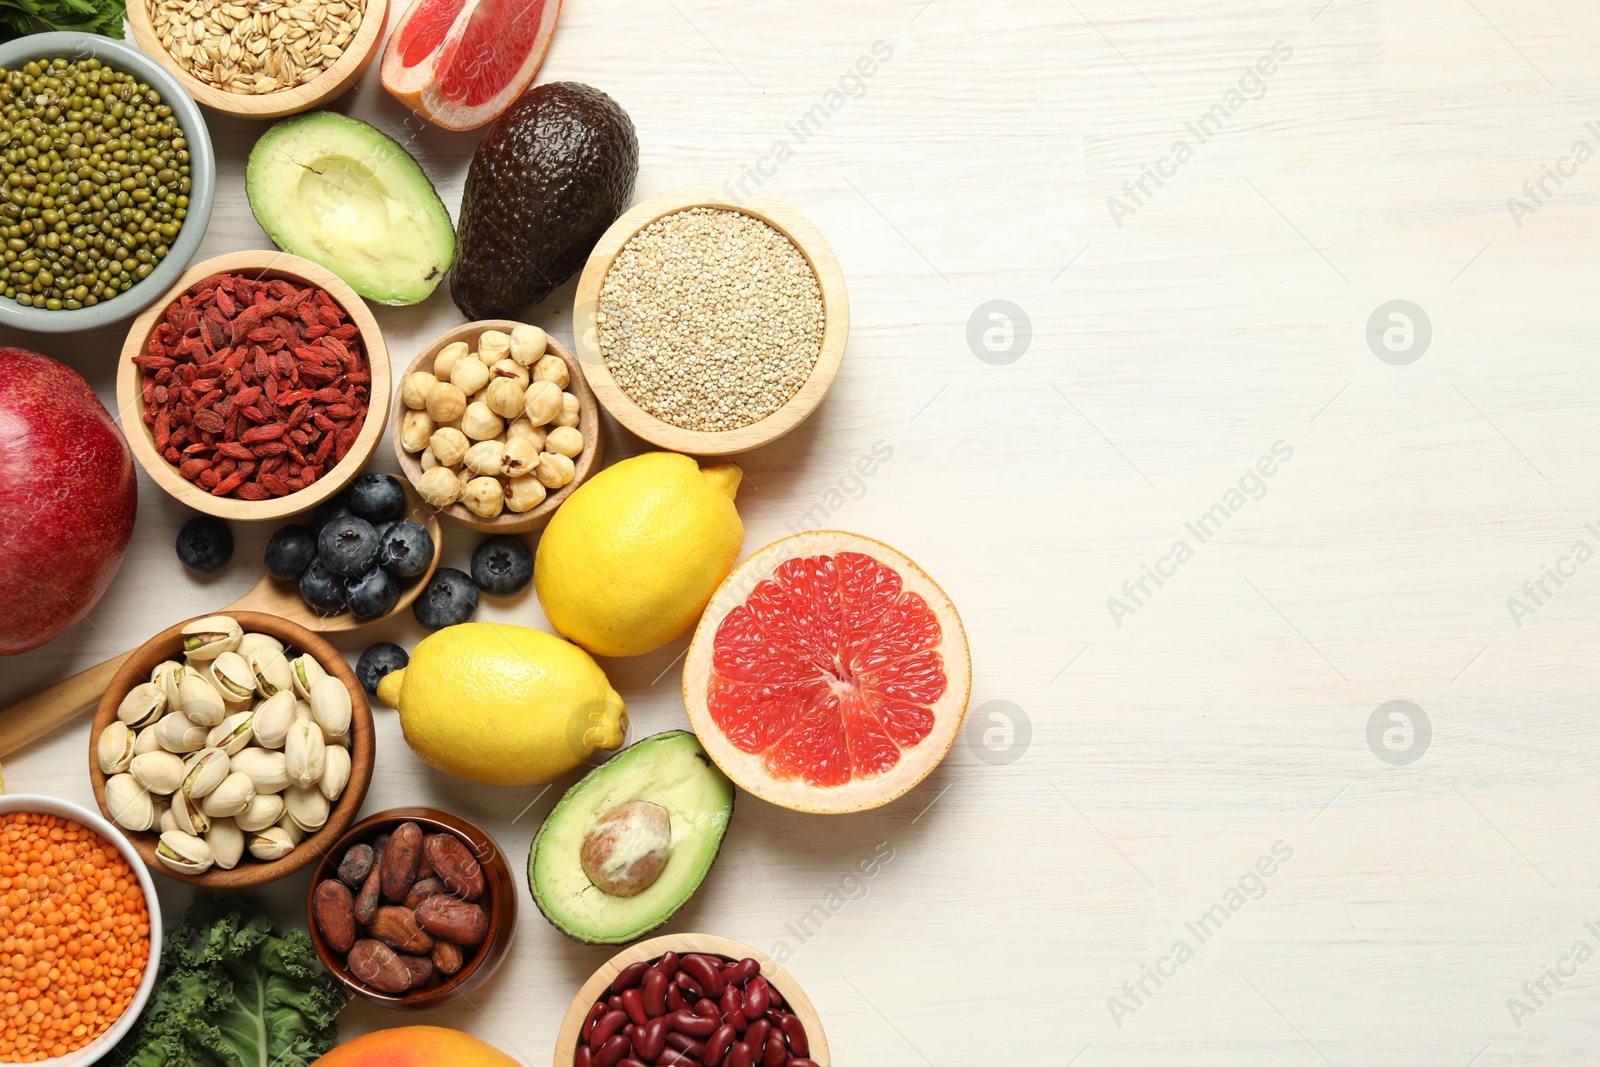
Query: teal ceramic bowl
[(202, 178)]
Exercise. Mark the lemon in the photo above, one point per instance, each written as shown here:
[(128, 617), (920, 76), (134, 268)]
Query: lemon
[(631, 559), (504, 705)]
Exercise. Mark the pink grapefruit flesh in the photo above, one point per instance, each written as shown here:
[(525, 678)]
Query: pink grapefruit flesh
[(460, 63), (829, 673)]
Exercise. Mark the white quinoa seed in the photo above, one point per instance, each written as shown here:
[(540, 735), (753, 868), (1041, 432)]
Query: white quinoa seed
[(710, 319)]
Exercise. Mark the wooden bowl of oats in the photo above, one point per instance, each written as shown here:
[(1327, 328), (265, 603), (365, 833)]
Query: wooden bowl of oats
[(710, 325), (313, 49)]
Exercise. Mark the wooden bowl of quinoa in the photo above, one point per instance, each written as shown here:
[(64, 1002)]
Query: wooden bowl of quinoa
[(709, 325)]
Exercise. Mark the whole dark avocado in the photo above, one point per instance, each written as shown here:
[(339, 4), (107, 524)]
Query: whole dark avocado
[(554, 171)]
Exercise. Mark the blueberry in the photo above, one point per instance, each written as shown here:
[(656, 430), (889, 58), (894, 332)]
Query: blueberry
[(406, 550), (323, 590), (205, 545), (335, 508), (373, 595), (376, 497), (377, 661), (448, 599), (502, 565), (348, 546), (290, 552)]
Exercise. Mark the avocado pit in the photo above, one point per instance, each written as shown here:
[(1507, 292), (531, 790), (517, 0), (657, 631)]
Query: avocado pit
[(626, 848)]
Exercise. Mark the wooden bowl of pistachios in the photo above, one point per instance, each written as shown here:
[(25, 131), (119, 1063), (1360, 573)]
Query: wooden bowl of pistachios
[(232, 749)]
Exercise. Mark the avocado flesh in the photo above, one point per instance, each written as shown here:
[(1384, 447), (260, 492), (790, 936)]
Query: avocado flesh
[(669, 769), (336, 191)]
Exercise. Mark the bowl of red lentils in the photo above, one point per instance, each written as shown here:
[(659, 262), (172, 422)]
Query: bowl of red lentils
[(80, 933), (711, 324), (256, 388)]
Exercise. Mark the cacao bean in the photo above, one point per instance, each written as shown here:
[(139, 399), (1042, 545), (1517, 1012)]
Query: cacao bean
[(454, 864), (454, 920), (397, 927), (334, 911), (401, 856)]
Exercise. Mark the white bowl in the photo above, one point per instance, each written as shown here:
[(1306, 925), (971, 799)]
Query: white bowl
[(47, 805)]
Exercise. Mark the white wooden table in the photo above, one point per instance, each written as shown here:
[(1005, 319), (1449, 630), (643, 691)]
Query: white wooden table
[(1172, 339)]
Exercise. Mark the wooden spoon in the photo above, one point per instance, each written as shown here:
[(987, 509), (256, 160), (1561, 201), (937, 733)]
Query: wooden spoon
[(34, 716)]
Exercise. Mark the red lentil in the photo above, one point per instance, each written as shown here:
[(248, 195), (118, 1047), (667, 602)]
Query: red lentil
[(74, 936), (254, 388)]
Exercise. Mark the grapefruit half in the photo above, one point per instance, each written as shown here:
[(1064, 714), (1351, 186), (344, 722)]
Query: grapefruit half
[(459, 63), (829, 673)]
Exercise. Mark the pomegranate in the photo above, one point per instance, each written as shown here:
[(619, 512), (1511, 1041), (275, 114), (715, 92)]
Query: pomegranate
[(67, 499)]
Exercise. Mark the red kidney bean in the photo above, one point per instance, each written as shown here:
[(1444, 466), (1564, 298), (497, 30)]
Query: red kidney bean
[(593, 1017), (633, 1004), (773, 999), (801, 1061), (686, 983), (686, 1022), (655, 994), (741, 972), (795, 1033), (667, 965), (685, 1043), (584, 1058), (675, 1001), (614, 1002), (652, 1039), (756, 1037), (739, 1056), (705, 971), (757, 995), (631, 1061), (777, 1052), (719, 1044), (610, 1054), (707, 1008), (733, 1009), (675, 1058), (610, 1023), (630, 976)]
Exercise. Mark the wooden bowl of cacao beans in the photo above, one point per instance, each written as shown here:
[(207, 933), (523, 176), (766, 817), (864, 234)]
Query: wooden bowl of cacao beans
[(412, 908)]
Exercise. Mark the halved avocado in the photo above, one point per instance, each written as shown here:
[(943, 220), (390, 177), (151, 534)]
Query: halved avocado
[(670, 770), (336, 191)]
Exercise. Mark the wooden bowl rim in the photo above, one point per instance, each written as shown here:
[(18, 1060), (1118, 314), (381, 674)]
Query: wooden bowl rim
[(794, 997), (586, 464), (499, 885), (835, 331), (263, 264), (344, 73), (250, 872)]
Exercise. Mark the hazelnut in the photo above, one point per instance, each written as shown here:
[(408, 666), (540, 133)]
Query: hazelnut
[(524, 494), (565, 440), (480, 422), (469, 374), (568, 415), (449, 445), (415, 429), (439, 487), (527, 344), (414, 390), (542, 402), (446, 402), (505, 397), (445, 361), (551, 368), (484, 497)]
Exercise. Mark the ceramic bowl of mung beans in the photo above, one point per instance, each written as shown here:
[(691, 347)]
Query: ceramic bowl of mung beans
[(80, 255), (710, 325)]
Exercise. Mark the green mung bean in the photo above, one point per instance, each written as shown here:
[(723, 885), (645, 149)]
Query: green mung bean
[(94, 182)]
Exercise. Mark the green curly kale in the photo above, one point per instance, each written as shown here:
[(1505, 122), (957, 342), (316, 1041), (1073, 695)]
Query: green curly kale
[(18, 18), (234, 992)]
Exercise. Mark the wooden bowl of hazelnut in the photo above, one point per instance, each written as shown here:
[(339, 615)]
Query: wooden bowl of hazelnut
[(497, 426)]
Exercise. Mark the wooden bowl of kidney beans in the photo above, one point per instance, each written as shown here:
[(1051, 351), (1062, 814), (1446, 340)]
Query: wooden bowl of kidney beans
[(691, 1000)]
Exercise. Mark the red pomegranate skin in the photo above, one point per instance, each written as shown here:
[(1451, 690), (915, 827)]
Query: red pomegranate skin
[(67, 499)]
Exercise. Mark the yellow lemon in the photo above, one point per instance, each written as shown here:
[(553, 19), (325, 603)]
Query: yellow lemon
[(631, 559), (504, 705)]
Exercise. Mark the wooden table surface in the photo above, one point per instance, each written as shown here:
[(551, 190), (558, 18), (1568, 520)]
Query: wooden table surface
[(1206, 506)]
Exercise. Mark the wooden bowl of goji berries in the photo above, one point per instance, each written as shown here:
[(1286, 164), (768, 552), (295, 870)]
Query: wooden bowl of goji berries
[(256, 387)]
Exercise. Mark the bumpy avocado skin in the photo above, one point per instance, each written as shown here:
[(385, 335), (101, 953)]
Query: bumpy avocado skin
[(555, 170)]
